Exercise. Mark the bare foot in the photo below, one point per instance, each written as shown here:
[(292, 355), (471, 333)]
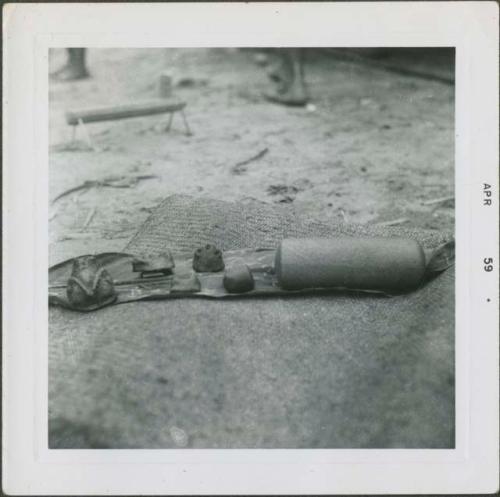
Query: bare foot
[(293, 93), (287, 76), (287, 99)]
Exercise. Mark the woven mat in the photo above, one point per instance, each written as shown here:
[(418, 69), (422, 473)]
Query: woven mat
[(331, 371), (183, 223)]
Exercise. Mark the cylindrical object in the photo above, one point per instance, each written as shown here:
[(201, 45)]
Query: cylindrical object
[(165, 85), (384, 264)]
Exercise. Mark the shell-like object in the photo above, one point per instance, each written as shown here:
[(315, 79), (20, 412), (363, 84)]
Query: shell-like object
[(89, 286)]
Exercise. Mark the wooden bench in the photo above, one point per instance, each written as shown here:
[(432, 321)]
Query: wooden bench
[(127, 111)]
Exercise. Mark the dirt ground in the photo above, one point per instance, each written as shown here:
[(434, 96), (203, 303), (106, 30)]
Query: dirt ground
[(372, 147)]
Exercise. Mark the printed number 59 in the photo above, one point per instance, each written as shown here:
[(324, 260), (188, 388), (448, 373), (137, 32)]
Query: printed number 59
[(488, 264)]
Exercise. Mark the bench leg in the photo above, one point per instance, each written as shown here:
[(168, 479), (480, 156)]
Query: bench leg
[(86, 133), (170, 119), (186, 125)]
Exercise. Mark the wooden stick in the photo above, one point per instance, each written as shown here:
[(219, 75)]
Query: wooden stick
[(75, 236), (345, 219), (394, 222), (439, 200), (124, 111), (90, 215), (239, 166)]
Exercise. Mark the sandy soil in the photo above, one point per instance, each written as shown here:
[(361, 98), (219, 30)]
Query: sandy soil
[(372, 148)]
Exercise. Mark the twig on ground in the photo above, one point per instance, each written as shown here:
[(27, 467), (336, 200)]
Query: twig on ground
[(54, 214), (89, 218), (394, 222), (84, 186), (113, 182), (345, 219), (75, 236), (440, 200), (239, 167)]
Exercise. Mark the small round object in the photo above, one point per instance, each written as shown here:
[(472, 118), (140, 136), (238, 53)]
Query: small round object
[(238, 279), (208, 259)]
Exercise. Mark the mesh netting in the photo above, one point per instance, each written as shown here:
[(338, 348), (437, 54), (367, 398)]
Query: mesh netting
[(183, 223)]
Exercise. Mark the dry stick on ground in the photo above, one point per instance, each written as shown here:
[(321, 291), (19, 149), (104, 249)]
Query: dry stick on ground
[(75, 236), (345, 218), (440, 200), (54, 214), (395, 222), (121, 182), (239, 167), (89, 218)]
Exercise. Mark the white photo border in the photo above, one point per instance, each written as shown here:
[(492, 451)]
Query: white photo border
[(29, 467)]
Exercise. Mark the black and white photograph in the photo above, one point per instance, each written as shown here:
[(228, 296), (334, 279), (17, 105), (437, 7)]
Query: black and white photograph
[(250, 248)]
